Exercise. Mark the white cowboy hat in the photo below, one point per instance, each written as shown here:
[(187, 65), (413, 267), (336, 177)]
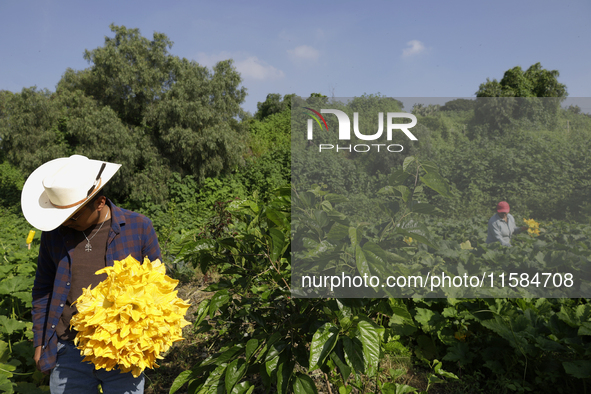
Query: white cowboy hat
[(60, 187)]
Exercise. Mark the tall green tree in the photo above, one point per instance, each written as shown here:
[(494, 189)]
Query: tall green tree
[(137, 105), (534, 82), (527, 99)]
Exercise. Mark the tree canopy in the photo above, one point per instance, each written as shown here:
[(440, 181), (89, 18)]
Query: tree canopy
[(137, 105), (534, 82)]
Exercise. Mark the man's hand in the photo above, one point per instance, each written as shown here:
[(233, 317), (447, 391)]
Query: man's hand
[(37, 356)]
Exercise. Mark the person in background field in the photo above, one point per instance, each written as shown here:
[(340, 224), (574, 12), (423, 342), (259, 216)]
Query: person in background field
[(83, 232), (502, 226)]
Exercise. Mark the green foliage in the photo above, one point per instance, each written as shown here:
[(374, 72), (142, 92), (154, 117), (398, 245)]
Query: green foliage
[(273, 104), (17, 271), (137, 105), (29, 132), (272, 133), (534, 82), (11, 184)]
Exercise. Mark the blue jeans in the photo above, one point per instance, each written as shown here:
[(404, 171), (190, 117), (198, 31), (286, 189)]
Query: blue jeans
[(73, 376)]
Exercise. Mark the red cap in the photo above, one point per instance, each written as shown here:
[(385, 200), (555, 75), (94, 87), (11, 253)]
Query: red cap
[(503, 206)]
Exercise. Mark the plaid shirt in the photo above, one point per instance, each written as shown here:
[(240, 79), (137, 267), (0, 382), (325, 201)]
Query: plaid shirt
[(130, 233)]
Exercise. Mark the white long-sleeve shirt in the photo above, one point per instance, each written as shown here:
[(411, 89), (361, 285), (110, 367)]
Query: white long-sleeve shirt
[(499, 230)]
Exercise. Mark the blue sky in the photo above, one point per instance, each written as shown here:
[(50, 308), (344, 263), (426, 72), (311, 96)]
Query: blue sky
[(338, 48)]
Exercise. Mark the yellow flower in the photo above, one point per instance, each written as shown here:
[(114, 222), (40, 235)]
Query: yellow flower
[(129, 318), (30, 236), (408, 240), (466, 245), (534, 227)]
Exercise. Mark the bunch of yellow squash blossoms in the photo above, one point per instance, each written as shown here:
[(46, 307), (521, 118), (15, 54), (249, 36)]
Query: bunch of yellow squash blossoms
[(534, 227), (129, 318)]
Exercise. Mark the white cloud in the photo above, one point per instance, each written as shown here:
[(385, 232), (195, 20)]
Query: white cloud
[(416, 47), (210, 60), (304, 52), (250, 67), (254, 68)]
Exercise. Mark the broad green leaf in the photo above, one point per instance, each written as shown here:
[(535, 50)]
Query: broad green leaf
[(10, 326), (180, 380), (404, 191), (251, 347), (285, 369), (337, 232), (434, 379), (338, 358), (459, 352), (395, 388), (425, 209), (335, 198), (428, 319), (355, 235), (585, 328), (323, 341), (234, 372), (370, 339), (398, 177), (303, 384), (437, 183), (278, 243), (361, 262), (243, 388), (354, 354), (414, 235), (202, 312), (440, 371), (426, 348), (219, 299), (14, 284), (579, 369), (407, 162)]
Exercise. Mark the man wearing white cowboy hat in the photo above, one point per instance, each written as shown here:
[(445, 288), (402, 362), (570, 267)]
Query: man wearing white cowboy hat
[(83, 232)]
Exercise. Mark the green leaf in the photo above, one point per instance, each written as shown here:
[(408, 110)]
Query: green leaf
[(459, 352), (428, 319), (338, 358), (323, 341), (234, 372), (180, 380), (437, 183), (303, 384), (285, 369), (361, 262), (415, 235), (202, 311), (251, 347), (398, 177), (426, 349), (14, 284), (407, 161), (219, 299), (440, 371), (395, 388), (425, 209), (404, 192), (10, 326), (278, 243), (243, 388), (370, 339), (354, 354), (579, 369), (337, 232), (355, 235)]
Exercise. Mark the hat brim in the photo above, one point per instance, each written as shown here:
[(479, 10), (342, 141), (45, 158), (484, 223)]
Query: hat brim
[(35, 204)]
